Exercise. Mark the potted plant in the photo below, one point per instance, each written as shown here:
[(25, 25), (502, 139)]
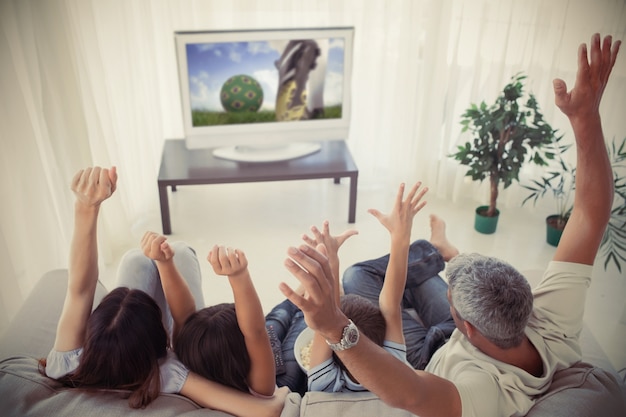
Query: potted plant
[(560, 183), (505, 134), (613, 245)]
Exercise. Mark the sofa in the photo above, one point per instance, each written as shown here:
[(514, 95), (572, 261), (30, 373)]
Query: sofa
[(583, 390)]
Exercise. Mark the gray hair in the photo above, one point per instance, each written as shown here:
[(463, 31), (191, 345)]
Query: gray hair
[(491, 295)]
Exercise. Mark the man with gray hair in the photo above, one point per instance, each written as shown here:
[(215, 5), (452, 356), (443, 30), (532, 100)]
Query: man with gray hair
[(491, 295), (509, 341)]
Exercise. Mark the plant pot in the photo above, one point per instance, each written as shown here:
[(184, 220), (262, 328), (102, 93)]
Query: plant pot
[(554, 230), (484, 224)]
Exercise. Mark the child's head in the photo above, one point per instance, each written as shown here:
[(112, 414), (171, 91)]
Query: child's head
[(367, 317), (124, 341), (212, 345)]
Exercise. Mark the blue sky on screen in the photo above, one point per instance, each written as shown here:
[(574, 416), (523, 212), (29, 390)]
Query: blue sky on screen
[(211, 64)]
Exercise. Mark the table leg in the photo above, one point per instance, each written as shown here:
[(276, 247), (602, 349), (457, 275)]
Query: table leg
[(352, 204), (165, 210)]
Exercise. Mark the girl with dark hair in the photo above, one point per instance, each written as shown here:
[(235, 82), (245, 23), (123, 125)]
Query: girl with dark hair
[(226, 343), (229, 343), (123, 343)]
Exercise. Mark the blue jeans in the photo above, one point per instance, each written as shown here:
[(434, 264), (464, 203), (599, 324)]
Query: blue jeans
[(288, 321), (425, 292)]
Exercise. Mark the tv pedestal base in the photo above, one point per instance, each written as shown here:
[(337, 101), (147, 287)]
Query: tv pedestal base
[(268, 154), (182, 166)]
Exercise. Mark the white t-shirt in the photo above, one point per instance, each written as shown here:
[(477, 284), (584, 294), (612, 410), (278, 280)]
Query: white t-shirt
[(329, 377), (173, 372), (489, 387)]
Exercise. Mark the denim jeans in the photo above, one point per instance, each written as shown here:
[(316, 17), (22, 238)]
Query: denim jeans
[(425, 292), (288, 322)]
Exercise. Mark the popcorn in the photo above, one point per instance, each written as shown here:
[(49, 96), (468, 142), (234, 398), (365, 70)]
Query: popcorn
[(305, 355)]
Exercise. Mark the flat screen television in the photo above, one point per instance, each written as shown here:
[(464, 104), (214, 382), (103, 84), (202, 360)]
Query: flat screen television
[(265, 95)]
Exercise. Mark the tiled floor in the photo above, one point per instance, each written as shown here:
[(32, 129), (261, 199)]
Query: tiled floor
[(263, 219)]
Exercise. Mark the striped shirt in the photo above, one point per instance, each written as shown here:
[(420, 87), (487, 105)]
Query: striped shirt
[(329, 377)]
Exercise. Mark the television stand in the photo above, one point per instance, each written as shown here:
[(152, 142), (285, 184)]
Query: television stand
[(182, 166)]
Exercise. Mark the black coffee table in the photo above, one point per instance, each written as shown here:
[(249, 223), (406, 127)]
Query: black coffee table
[(182, 166)]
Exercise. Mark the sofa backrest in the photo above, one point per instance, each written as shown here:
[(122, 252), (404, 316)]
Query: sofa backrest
[(24, 392), (33, 329)]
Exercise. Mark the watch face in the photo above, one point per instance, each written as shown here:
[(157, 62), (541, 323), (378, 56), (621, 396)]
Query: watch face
[(349, 338), (352, 336)]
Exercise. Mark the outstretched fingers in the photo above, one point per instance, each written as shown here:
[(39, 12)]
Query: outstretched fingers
[(594, 68), (415, 197), (609, 56), (332, 243), (413, 202), (311, 268)]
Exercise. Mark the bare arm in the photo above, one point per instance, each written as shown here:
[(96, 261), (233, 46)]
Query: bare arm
[(320, 351), (395, 383), (399, 223), (91, 186), (177, 293), (210, 394), (233, 263), (594, 178)]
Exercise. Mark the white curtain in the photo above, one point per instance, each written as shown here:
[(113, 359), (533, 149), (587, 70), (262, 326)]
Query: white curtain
[(86, 82)]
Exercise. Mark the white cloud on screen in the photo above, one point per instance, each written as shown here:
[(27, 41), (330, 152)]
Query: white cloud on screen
[(203, 94), (269, 81), (333, 88)]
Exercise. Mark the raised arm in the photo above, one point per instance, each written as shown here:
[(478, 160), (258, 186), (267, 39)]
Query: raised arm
[(320, 351), (395, 383), (399, 223), (91, 187), (234, 264), (213, 395), (594, 178), (177, 293)]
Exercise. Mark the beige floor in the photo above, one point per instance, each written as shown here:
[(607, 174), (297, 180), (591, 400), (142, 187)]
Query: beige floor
[(263, 219)]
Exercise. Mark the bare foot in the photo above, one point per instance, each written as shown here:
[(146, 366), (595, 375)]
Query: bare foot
[(439, 240)]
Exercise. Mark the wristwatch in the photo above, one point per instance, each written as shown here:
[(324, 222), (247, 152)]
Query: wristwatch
[(349, 338)]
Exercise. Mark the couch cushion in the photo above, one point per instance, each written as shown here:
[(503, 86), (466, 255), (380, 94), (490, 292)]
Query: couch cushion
[(581, 391), (347, 404), (33, 329), (25, 392)]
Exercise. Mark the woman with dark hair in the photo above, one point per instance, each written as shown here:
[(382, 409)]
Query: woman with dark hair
[(124, 343)]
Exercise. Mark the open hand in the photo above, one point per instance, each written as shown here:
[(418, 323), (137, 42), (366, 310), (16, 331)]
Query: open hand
[(321, 311), (591, 79), (332, 243), (400, 220), (155, 247), (227, 261), (94, 185)]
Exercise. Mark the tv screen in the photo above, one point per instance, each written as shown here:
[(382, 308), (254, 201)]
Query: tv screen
[(265, 95)]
